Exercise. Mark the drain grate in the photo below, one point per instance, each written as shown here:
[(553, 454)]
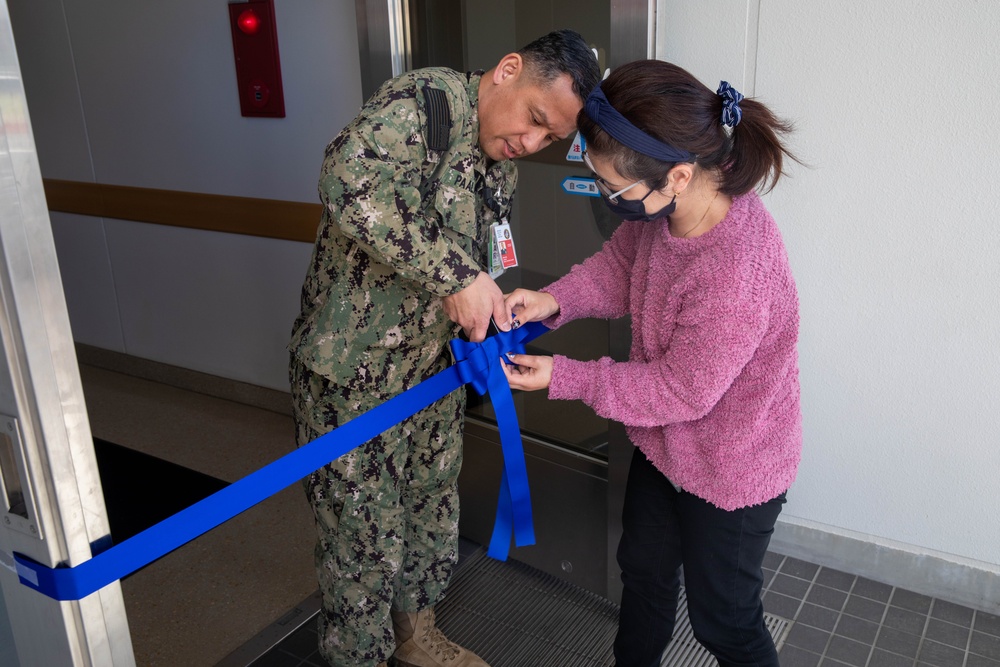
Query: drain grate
[(513, 615)]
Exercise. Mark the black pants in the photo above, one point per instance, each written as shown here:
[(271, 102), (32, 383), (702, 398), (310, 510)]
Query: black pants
[(721, 552)]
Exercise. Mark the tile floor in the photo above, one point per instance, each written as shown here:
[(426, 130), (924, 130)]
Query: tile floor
[(838, 619)]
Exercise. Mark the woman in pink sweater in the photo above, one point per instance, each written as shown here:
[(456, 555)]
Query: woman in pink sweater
[(710, 393)]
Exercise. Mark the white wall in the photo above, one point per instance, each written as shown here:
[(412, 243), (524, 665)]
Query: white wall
[(893, 239), (144, 94)]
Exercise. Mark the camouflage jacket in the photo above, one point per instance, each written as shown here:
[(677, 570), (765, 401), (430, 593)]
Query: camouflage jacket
[(403, 225)]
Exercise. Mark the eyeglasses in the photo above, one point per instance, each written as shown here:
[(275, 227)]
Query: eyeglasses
[(603, 187)]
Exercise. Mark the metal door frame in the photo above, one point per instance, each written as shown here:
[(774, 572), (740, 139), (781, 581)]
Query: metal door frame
[(383, 41), (46, 433)]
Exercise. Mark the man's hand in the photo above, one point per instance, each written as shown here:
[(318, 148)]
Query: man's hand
[(529, 373), (472, 308), (528, 306)]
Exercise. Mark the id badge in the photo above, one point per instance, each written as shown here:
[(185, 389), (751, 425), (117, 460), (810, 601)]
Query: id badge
[(502, 253)]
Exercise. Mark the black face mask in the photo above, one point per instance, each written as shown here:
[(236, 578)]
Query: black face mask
[(635, 209)]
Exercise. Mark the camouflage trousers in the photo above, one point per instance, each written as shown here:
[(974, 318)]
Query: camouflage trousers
[(386, 515)]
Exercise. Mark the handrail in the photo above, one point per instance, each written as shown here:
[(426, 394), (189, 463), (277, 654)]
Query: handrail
[(271, 218)]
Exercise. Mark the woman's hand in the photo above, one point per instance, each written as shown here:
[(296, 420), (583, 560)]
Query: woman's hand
[(529, 373), (528, 306)]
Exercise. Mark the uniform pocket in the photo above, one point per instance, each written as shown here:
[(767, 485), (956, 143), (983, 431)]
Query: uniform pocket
[(456, 205)]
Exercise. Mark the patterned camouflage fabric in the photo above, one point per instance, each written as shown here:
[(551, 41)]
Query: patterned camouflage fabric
[(403, 226)]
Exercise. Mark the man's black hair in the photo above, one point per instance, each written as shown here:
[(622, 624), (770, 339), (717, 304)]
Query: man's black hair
[(563, 52)]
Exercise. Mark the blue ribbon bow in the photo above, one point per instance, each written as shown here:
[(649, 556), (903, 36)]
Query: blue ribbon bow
[(732, 114), (481, 365), (478, 363)]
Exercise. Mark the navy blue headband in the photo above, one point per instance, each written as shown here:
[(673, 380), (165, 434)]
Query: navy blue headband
[(608, 119)]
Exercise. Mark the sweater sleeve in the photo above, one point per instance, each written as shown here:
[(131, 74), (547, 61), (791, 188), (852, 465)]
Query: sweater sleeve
[(716, 335), (599, 287)]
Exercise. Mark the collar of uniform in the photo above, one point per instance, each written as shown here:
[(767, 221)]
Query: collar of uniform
[(498, 175), (473, 91)]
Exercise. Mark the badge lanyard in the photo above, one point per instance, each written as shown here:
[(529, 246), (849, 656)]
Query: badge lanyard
[(502, 255)]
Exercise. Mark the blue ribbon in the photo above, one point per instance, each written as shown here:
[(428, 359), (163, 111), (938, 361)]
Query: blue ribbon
[(476, 363)]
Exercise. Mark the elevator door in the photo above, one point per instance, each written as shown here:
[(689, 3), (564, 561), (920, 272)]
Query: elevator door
[(553, 230), (575, 494)]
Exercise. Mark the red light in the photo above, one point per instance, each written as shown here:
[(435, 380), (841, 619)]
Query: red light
[(249, 22)]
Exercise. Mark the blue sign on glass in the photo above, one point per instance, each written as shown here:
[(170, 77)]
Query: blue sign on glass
[(580, 185)]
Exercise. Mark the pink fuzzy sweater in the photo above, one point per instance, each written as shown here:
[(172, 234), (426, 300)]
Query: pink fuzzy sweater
[(710, 393)]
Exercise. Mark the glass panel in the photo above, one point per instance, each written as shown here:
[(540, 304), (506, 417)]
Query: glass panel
[(14, 492), (553, 229)]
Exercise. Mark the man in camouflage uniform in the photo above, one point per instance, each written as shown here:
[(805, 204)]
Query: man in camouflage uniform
[(410, 190)]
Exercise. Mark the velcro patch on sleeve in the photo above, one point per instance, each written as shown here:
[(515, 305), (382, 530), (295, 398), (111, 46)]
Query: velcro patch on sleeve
[(438, 119)]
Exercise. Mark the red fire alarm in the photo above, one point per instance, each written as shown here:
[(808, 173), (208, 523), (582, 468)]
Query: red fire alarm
[(255, 48)]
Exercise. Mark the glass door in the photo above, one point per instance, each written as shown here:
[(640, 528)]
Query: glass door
[(553, 229)]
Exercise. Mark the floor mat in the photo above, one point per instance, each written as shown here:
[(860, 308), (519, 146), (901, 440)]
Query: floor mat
[(513, 615), (685, 651)]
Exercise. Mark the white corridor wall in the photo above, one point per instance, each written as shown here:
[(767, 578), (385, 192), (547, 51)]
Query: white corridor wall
[(144, 94), (892, 233)]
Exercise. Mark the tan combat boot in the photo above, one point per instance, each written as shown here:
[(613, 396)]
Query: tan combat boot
[(419, 643)]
